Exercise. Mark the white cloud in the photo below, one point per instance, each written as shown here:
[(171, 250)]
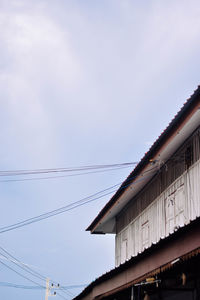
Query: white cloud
[(73, 72), (85, 82), (37, 57)]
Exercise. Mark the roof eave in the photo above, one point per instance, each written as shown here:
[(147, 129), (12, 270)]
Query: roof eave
[(166, 134)]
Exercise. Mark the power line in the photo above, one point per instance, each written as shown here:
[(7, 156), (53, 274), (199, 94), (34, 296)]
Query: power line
[(62, 176), (22, 265), (30, 270), (65, 169), (31, 287), (47, 215), (51, 213), (20, 286), (27, 278), (52, 286), (72, 205)]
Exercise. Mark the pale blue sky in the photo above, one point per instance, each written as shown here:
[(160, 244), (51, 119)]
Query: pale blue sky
[(83, 82)]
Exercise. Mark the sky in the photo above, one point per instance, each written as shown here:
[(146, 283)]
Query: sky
[(83, 83)]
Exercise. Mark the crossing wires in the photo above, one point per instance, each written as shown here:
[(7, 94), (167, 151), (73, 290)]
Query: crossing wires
[(31, 272), (76, 204), (54, 173)]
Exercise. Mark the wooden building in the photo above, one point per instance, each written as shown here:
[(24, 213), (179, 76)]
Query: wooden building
[(155, 216)]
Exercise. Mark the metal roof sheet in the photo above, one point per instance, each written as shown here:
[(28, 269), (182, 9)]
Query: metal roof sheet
[(178, 118), (162, 243)]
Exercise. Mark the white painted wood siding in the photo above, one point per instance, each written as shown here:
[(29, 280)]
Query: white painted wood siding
[(177, 206)]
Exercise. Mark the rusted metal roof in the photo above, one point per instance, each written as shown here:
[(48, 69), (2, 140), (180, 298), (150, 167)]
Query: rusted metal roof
[(134, 260), (165, 135), (153, 273)]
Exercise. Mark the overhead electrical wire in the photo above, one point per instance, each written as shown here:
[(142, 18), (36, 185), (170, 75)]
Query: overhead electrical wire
[(64, 208), (21, 275), (62, 176), (20, 286), (53, 213), (64, 170), (73, 205), (27, 278), (48, 214), (31, 271), (10, 259), (32, 287), (22, 265)]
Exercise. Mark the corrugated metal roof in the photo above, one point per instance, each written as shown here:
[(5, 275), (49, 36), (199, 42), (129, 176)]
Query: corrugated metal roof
[(178, 118), (140, 256)]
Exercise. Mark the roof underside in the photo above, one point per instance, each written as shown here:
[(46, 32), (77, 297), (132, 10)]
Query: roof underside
[(180, 128)]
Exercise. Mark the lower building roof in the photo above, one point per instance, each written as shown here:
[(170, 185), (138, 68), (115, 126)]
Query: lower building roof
[(180, 235)]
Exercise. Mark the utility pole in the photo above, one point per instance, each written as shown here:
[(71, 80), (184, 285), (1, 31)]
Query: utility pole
[(48, 289)]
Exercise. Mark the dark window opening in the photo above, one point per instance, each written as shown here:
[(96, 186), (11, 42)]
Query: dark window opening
[(188, 156)]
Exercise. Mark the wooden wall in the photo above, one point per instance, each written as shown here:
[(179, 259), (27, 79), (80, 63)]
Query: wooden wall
[(170, 200), (187, 155)]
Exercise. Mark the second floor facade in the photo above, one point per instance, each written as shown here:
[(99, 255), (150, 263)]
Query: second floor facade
[(170, 200), (162, 193)]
